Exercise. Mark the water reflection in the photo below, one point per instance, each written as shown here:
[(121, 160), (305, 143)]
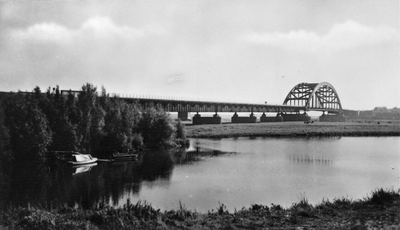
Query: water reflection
[(86, 185), (29, 177), (196, 154), (324, 138), (83, 168), (155, 165), (310, 159)]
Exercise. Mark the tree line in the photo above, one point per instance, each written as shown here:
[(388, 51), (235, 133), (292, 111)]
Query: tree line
[(32, 124)]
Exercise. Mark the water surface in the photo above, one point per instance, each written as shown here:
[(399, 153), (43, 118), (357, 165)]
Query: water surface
[(281, 171), (237, 172)]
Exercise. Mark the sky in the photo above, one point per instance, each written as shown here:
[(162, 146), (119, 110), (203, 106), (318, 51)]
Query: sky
[(226, 50)]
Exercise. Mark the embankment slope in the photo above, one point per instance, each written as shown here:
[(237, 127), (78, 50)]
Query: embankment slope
[(289, 129)]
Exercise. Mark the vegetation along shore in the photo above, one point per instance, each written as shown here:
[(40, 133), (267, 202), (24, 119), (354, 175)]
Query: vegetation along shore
[(33, 124), (294, 129), (381, 210)]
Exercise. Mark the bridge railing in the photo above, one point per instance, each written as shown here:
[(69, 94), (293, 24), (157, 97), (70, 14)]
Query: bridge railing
[(188, 99)]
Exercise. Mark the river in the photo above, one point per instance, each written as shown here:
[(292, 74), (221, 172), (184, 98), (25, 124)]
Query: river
[(236, 172)]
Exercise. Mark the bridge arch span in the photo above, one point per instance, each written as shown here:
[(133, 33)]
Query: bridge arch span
[(314, 96)]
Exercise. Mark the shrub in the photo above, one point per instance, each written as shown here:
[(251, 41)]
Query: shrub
[(137, 142), (180, 130), (156, 128), (381, 196)]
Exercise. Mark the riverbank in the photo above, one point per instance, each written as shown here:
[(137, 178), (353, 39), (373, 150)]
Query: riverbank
[(290, 129), (380, 210)]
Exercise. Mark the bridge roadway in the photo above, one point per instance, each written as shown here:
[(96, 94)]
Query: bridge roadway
[(171, 105), (284, 112), (303, 97)]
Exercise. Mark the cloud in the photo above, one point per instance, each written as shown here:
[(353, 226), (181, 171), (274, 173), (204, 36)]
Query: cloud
[(101, 27), (46, 32), (340, 37), (98, 50), (176, 77), (96, 28)]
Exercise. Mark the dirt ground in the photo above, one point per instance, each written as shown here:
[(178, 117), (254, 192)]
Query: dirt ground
[(280, 129)]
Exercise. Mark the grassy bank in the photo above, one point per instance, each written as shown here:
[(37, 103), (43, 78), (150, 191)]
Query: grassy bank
[(381, 209), (288, 129)]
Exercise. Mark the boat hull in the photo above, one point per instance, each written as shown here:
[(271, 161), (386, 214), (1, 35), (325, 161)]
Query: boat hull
[(93, 160)]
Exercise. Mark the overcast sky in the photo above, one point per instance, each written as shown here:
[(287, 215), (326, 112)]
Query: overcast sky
[(252, 51)]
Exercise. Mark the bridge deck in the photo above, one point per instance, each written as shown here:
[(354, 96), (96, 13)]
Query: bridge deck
[(207, 106)]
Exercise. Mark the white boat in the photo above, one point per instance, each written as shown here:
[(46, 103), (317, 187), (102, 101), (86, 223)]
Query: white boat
[(80, 159)]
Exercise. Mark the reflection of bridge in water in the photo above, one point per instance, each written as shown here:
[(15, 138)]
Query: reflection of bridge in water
[(318, 158), (311, 159), (199, 153), (302, 98)]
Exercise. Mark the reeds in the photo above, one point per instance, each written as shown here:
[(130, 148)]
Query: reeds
[(382, 197), (383, 204)]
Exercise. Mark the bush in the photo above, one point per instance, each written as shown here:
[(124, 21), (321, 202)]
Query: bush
[(381, 197), (180, 130), (137, 142), (156, 128)]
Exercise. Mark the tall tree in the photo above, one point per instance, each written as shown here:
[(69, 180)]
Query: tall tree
[(156, 128), (30, 133), (86, 106), (4, 136)]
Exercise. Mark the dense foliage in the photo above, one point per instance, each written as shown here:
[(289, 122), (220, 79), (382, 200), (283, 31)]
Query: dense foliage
[(33, 123)]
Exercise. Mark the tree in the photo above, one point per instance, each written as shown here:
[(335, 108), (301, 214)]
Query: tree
[(34, 122), (4, 135), (156, 128), (180, 134), (86, 106), (64, 136), (180, 130), (121, 121), (30, 133)]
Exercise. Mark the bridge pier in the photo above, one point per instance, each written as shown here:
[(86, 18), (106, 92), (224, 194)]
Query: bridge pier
[(295, 117), (277, 118), (250, 119), (183, 116), (199, 120), (332, 118)]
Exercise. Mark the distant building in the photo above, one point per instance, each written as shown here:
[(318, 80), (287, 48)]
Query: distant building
[(67, 92)]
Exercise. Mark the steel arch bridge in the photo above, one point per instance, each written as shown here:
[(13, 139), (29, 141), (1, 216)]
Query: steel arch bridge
[(314, 96), (303, 97)]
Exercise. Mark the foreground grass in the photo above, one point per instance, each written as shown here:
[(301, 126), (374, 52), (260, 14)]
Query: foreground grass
[(287, 129), (380, 210)]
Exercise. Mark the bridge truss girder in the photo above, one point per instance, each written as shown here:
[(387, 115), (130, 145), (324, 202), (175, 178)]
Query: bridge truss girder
[(203, 106), (314, 96)]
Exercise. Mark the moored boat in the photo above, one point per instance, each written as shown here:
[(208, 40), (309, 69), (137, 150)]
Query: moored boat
[(124, 156), (80, 159)]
